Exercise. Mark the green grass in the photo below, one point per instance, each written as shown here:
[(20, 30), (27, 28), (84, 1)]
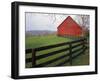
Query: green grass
[(39, 41), (82, 59), (50, 57)]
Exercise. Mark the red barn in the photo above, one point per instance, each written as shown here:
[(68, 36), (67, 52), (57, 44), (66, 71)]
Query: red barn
[(69, 28)]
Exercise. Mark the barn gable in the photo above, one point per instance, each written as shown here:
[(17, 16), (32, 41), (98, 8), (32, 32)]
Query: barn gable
[(69, 28)]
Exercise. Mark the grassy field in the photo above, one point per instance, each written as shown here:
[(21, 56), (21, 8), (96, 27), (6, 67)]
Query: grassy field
[(39, 41)]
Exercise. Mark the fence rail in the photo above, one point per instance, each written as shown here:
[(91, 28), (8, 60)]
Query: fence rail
[(71, 54)]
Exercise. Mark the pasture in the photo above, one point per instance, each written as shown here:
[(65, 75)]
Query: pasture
[(46, 40)]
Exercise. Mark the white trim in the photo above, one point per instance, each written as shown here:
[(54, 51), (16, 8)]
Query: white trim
[(53, 70)]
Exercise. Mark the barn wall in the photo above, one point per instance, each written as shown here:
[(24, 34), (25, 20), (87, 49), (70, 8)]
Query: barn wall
[(69, 28)]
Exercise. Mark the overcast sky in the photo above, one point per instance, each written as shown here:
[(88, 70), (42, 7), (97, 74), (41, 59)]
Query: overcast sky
[(41, 21)]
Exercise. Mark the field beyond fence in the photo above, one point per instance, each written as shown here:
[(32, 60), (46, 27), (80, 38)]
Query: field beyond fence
[(60, 54)]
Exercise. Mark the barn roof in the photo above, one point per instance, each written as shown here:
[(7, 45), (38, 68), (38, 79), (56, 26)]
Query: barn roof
[(69, 19)]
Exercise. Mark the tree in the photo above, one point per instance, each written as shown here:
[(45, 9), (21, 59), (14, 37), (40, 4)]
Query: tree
[(83, 21)]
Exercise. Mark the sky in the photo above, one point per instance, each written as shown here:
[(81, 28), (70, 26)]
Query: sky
[(44, 21)]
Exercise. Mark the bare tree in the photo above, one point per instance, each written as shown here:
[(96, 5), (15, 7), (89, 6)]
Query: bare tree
[(83, 21), (54, 17)]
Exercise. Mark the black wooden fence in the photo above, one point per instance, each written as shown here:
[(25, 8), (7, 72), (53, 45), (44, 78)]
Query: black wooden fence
[(70, 55)]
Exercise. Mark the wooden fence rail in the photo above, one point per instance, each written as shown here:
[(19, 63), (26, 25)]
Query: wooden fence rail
[(71, 55)]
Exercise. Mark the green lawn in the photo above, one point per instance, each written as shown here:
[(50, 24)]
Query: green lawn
[(39, 41), (82, 59)]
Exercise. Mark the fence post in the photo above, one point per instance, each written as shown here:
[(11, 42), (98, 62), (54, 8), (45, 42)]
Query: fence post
[(84, 42), (70, 53), (33, 57)]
